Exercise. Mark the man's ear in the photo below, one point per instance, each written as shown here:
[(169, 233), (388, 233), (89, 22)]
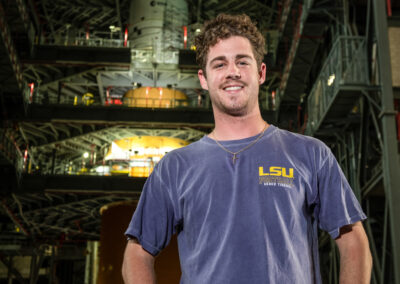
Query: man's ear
[(202, 79), (262, 73)]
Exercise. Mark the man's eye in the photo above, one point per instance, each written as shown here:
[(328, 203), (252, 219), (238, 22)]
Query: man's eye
[(243, 63), (219, 65)]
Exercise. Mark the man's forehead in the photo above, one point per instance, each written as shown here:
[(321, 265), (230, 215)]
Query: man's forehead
[(221, 54), (231, 39)]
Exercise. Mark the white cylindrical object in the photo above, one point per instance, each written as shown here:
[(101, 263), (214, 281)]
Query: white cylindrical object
[(157, 27)]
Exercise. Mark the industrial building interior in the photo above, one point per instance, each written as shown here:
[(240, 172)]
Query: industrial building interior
[(94, 92)]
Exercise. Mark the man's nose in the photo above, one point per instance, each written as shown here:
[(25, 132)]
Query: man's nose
[(233, 72)]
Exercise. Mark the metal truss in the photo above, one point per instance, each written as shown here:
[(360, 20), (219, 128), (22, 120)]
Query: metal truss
[(67, 142), (56, 216), (61, 17), (55, 88)]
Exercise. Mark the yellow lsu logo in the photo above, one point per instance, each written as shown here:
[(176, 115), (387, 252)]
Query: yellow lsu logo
[(276, 171)]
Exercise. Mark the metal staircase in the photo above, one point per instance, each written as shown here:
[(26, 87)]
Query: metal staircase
[(351, 108)]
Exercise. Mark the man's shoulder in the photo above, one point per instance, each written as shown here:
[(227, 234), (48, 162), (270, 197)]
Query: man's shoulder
[(185, 154), (299, 140), (190, 149)]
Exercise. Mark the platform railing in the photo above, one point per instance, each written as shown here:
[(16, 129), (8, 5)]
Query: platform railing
[(157, 103), (100, 42), (346, 65), (105, 39), (41, 98)]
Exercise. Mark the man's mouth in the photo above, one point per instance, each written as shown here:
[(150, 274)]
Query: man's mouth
[(232, 88)]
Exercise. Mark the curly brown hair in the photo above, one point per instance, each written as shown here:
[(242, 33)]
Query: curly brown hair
[(223, 27)]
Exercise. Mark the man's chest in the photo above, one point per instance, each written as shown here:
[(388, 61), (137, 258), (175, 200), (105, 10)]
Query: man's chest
[(251, 188)]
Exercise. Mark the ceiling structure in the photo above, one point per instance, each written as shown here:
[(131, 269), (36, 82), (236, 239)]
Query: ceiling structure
[(44, 132)]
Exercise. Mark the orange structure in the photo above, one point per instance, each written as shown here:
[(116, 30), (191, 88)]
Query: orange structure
[(137, 156), (151, 97)]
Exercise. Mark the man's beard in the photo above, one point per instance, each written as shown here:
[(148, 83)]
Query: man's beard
[(239, 110)]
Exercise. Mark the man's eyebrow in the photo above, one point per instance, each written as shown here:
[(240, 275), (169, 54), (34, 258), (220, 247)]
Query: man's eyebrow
[(218, 58), (239, 56)]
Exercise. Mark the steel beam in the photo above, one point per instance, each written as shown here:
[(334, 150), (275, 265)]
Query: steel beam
[(391, 177), (80, 55), (81, 183)]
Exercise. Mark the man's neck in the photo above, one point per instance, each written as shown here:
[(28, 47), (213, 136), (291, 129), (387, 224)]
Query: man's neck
[(232, 128)]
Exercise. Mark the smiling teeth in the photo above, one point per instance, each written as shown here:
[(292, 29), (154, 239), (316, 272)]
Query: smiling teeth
[(232, 88)]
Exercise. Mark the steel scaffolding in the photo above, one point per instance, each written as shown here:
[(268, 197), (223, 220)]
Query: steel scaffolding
[(354, 114)]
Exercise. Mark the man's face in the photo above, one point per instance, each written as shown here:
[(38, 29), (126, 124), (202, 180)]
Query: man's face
[(232, 76)]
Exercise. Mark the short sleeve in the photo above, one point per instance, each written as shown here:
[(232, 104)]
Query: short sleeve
[(337, 205), (153, 221)]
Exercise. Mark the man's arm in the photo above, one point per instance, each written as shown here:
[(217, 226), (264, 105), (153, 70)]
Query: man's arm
[(355, 255), (138, 265)]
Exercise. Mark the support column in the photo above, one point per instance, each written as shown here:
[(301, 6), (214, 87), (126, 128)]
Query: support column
[(391, 177), (32, 274), (10, 268)]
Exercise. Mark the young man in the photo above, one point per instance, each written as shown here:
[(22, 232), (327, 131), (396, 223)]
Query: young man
[(247, 199)]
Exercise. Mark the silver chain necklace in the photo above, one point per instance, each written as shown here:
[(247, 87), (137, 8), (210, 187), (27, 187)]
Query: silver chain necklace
[(234, 158)]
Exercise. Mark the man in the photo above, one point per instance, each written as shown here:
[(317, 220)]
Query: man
[(247, 199)]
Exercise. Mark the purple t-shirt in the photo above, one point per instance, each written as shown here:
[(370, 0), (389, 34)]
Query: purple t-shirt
[(254, 221)]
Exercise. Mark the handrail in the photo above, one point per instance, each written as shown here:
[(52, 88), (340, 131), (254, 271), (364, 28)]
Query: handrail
[(346, 64), (143, 102)]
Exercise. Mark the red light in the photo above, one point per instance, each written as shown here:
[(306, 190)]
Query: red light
[(126, 37), (32, 87), (25, 157), (184, 37)]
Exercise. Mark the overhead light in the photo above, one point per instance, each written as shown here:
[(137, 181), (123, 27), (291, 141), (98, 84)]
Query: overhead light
[(198, 30), (114, 28), (86, 155), (331, 79)]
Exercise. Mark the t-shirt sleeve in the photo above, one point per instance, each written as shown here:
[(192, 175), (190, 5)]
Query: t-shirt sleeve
[(337, 205), (153, 222)]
